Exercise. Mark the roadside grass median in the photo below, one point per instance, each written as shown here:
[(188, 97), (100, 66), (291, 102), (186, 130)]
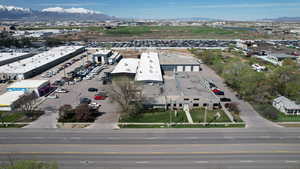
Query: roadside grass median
[(230, 125), (199, 113), (155, 116)]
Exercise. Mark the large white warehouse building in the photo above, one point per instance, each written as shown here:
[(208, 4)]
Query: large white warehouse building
[(35, 65), (6, 58)]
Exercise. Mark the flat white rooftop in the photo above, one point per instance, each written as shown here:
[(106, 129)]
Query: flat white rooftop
[(7, 56), (27, 65), (31, 84), (103, 52), (126, 65), (9, 98), (149, 68)]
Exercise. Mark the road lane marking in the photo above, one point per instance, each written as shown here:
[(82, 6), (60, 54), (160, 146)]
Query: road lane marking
[(151, 138), (150, 153), (142, 162), (75, 138), (148, 145), (201, 162), (247, 161), (289, 161)]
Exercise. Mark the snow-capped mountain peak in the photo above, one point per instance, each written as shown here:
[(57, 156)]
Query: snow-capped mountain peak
[(71, 10), (13, 8)]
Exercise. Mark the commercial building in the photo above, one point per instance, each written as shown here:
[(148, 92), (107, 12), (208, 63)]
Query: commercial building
[(6, 58), (106, 57), (183, 88), (178, 63), (151, 64), (101, 56), (40, 87), (9, 100), (149, 68), (35, 65), (126, 66), (286, 106), (114, 58)]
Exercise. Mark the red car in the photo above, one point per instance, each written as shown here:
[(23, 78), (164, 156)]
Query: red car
[(100, 96), (216, 90)]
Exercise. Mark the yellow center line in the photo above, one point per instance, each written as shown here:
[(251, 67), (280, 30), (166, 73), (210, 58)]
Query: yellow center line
[(149, 153), (147, 145)]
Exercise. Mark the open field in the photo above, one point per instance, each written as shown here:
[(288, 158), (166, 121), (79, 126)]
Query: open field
[(162, 32)]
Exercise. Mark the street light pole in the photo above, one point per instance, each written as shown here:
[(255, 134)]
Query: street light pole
[(205, 116)]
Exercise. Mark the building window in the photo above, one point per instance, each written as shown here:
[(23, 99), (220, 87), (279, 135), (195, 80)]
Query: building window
[(196, 99), (205, 104), (180, 105), (186, 99), (196, 105)]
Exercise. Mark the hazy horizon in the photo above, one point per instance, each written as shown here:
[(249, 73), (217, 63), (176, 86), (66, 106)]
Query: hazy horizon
[(170, 9)]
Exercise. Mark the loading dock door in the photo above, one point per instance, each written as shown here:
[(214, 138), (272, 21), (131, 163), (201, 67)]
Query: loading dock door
[(188, 68), (196, 69), (179, 68)]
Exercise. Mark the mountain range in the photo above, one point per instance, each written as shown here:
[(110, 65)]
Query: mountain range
[(284, 19), (51, 14)]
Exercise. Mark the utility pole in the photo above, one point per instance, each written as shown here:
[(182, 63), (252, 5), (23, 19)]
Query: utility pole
[(205, 116)]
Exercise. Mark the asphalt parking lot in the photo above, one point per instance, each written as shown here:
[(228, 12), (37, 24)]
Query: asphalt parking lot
[(170, 43)]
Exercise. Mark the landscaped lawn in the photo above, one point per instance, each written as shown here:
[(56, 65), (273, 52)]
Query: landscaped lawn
[(198, 115), (185, 126), (156, 117), (19, 116)]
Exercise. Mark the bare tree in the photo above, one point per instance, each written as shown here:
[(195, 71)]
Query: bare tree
[(127, 94), (27, 102)]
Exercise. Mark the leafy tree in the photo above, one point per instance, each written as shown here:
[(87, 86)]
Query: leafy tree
[(83, 113), (127, 95)]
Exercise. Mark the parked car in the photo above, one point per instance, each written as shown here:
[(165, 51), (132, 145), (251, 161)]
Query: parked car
[(94, 105), (52, 96), (100, 96), (92, 89), (85, 100), (61, 91), (224, 99), (219, 93)]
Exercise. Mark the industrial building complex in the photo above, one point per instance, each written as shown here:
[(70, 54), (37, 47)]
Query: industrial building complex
[(30, 67), (6, 58)]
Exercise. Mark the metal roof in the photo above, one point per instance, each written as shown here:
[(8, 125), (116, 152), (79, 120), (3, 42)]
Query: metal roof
[(149, 68), (7, 56), (39, 60), (126, 65), (31, 84), (288, 104), (103, 52), (176, 59), (8, 98)]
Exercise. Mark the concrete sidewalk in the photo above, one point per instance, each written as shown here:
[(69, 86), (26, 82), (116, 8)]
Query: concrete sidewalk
[(47, 120)]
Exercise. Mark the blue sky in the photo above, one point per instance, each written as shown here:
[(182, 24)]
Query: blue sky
[(221, 9)]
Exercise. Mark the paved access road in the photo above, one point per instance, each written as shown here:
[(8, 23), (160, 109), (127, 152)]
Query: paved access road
[(155, 148)]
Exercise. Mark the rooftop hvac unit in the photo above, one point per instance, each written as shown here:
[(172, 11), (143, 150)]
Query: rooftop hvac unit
[(24, 65)]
